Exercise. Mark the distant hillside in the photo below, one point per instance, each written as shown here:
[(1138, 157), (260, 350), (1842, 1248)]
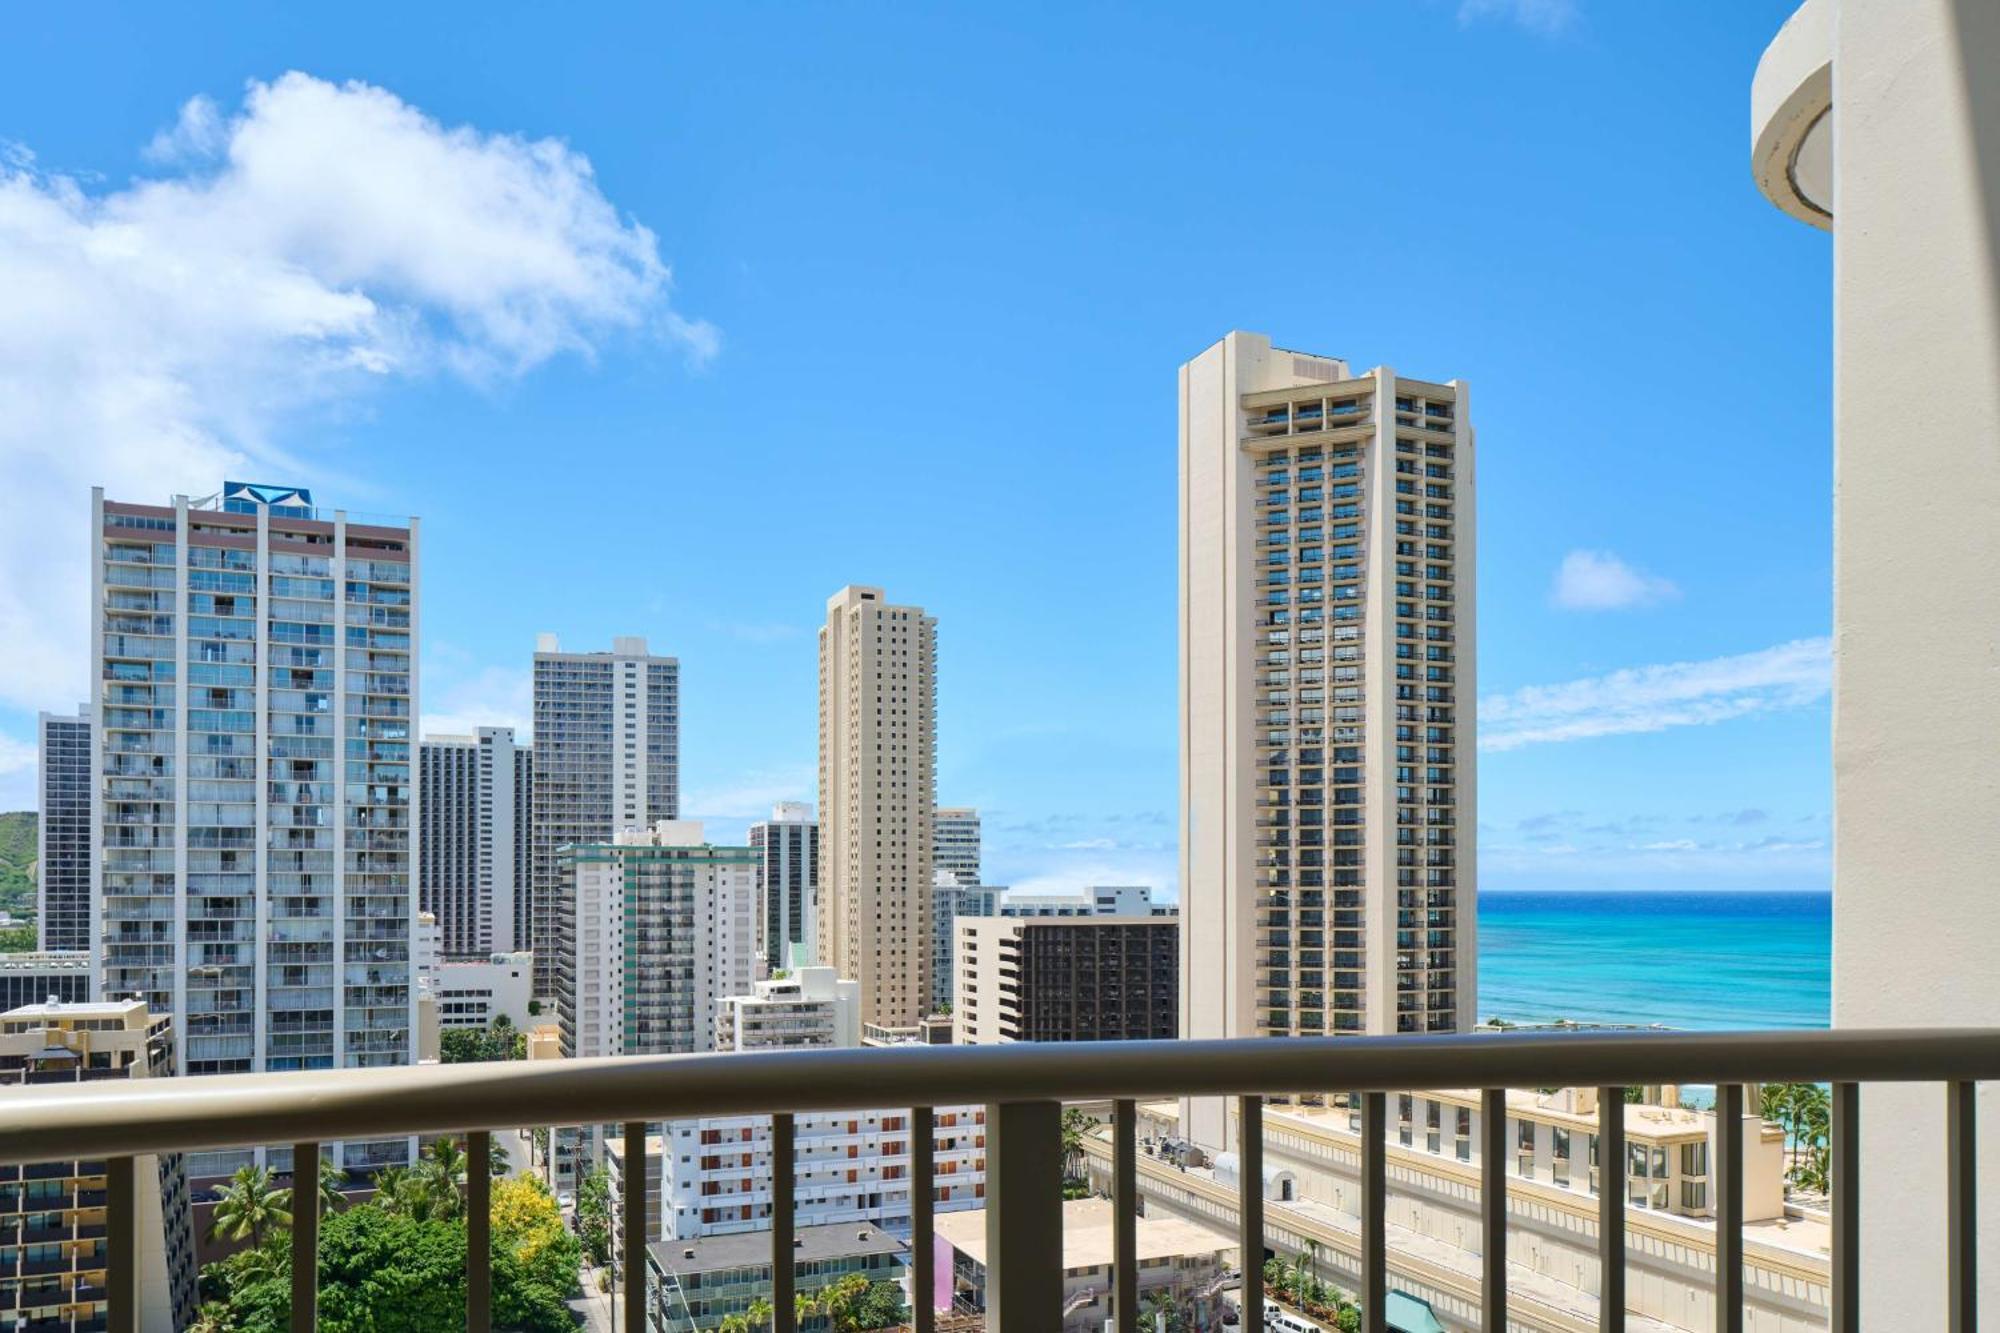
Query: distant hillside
[(17, 862)]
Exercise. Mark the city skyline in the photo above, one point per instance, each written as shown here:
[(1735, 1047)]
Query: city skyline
[(1654, 708)]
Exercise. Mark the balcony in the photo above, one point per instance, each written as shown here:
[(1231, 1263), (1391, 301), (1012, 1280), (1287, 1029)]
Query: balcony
[(1024, 1087)]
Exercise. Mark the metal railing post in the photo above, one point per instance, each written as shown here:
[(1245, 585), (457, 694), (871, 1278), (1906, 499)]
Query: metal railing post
[(633, 1188), (1374, 1213), (1844, 1166), (1611, 1210), (305, 1237), (478, 1231), (1250, 1207), (1729, 1208), (784, 1202), (1493, 1210), (923, 1217), (1124, 1215), (122, 1229), (1962, 1205), (1024, 1234)]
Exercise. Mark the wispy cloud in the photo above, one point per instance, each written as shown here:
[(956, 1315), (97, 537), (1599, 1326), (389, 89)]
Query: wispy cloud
[(1600, 581), (285, 259), (751, 795), (758, 631), (1548, 17), (1657, 698), (458, 704), (19, 762)]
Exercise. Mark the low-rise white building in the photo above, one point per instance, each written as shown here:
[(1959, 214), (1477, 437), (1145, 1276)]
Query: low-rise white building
[(811, 1007), (473, 992), (1098, 900), (1178, 1260)]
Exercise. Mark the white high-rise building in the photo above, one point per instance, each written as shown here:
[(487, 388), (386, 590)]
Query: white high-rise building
[(955, 842), (1098, 900), (65, 916), (607, 757), (787, 847), (255, 680), (664, 931), (1327, 685), (851, 1166), (877, 786), (473, 869)]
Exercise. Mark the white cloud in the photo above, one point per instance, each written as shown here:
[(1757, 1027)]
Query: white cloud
[(751, 795), (18, 763), (1656, 698), (1548, 17), (457, 705), (158, 337), (1600, 581)]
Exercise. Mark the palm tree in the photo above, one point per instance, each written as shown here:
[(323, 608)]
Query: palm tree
[(1075, 1124), (498, 1161), (442, 1173), (249, 1207), (759, 1315), (393, 1185), (331, 1178)]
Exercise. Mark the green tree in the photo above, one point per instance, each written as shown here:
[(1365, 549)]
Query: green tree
[(593, 1214), (1075, 1124), (250, 1207)]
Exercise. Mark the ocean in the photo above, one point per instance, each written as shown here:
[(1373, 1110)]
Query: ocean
[(1683, 960)]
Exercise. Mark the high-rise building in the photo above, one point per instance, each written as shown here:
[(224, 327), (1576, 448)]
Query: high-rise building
[(1098, 978), (64, 918), (664, 931), (955, 842), (255, 681), (877, 786), (787, 847), (54, 1264), (950, 900), (607, 757), (1326, 687), (476, 795)]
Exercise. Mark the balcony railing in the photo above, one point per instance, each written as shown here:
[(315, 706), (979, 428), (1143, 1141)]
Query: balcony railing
[(1024, 1086)]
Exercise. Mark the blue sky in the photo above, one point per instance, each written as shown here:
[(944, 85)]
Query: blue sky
[(672, 320)]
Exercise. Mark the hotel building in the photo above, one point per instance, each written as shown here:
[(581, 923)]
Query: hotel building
[(33, 978), (607, 757), (787, 847), (1066, 979), (473, 865), (64, 916), (1327, 680), (54, 1252), (877, 786), (255, 680)]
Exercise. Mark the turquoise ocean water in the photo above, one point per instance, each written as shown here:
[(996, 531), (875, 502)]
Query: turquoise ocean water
[(1685, 960)]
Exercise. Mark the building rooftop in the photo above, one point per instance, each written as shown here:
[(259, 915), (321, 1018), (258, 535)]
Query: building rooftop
[(752, 1249), (78, 1009), (1087, 1239)]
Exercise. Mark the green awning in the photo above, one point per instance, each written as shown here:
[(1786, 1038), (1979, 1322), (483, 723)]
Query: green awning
[(1407, 1314)]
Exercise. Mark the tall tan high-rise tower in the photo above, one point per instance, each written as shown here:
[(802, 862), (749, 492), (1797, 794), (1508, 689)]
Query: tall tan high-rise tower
[(1326, 689), (877, 791)]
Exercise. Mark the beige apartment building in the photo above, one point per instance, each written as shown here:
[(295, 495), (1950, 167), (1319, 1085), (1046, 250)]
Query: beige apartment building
[(55, 1255), (1327, 681), (877, 790), (1094, 978)]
